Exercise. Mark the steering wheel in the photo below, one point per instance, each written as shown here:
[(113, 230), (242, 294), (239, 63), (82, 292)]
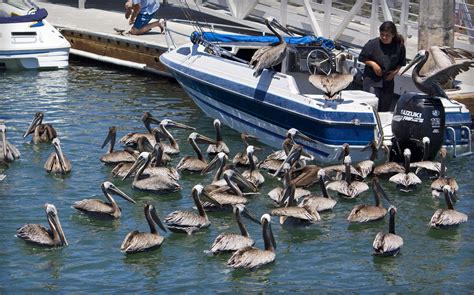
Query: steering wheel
[(31, 11), (319, 61)]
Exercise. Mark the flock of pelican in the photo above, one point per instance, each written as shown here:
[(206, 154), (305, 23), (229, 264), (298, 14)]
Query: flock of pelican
[(233, 186)]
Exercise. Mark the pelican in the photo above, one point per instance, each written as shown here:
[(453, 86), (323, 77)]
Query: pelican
[(277, 193), (366, 167), (340, 169), (366, 213), (57, 162), (251, 257), (348, 187), (136, 241), (319, 203), (431, 166), (442, 180), (332, 84), (187, 221), (272, 55), (172, 148), (447, 217), (8, 151), (158, 180), (115, 157), (41, 132), (406, 180), (220, 145), (165, 158), (194, 164), (130, 139), (241, 158), (388, 244), (38, 234), (230, 242), (99, 209), (252, 174), (220, 158), (431, 82)]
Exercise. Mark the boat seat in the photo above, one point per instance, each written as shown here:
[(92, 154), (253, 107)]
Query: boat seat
[(360, 97)]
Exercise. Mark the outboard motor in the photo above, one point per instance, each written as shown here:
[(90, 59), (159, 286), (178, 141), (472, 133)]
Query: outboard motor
[(417, 116)]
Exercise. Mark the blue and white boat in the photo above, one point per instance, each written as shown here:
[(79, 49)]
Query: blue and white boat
[(220, 82)]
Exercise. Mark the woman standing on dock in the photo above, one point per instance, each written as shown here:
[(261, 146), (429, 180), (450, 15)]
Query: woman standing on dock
[(139, 14), (383, 58)]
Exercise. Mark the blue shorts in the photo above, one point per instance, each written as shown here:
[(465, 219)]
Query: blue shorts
[(142, 20)]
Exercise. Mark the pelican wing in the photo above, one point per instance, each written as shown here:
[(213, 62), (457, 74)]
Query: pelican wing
[(185, 219), (445, 75), (92, 205), (447, 218), (34, 233), (351, 190), (439, 183), (386, 243), (365, 213), (332, 84), (390, 167), (316, 203), (296, 212), (428, 165), (365, 168), (136, 241), (230, 242), (250, 257), (456, 52), (405, 179)]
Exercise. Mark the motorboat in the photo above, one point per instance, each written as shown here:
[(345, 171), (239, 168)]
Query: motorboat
[(214, 71), (28, 41)]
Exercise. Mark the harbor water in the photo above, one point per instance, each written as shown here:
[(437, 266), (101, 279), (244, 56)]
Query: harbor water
[(83, 101)]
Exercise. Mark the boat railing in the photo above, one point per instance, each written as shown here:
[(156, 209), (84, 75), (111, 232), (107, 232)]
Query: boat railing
[(453, 139)]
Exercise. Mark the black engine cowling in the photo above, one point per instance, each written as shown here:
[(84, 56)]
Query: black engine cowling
[(415, 117)]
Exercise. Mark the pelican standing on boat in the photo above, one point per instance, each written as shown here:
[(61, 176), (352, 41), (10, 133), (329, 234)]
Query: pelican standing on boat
[(192, 164), (388, 244), (38, 234), (57, 162), (220, 145), (366, 213), (251, 257), (136, 241), (99, 209), (348, 187), (41, 132), (406, 180), (8, 152), (230, 242), (447, 217), (331, 84), (115, 157), (188, 221)]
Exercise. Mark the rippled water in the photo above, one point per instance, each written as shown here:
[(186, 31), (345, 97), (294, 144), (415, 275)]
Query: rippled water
[(84, 100)]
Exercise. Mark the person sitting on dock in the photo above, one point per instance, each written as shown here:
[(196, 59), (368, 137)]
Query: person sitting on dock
[(139, 14)]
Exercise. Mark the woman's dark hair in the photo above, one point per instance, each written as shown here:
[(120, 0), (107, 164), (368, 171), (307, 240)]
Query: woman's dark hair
[(389, 26)]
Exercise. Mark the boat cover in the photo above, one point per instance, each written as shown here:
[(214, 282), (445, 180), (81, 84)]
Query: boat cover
[(327, 44), (39, 15)]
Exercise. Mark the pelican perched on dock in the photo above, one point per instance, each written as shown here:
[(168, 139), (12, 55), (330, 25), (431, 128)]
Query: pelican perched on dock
[(388, 244), (188, 221), (366, 213), (230, 242), (192, 164), (319, 203), (447, 217), (8, 152), (220, 145), (241, 158), (157, 180), (442, 180), (251, 257), (115, 157), (430, 81), (272, 55), (39, 235), (41, 132), (331, 84), (57, 162), (136, 241), (99, 209), (253, 174), (348, 187), (406, 180)]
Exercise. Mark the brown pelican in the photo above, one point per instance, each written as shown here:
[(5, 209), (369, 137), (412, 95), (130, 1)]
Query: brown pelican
[(241, 158), (188, 221), (277, 193), (115, 157), (220, 145), (173, 147), (366, 167), (165, 158), (136, 241), (442, 180), (230, 242), (272, 55), (251, 257), (130, 139), (348, 187), (340, 169), (319, 203), (158, 179), (425, 165), (430, 83), (253, 174), (221, 159), (99, 209), (406, 180), (388, 244), (38, 234), (447, 217), (332, 84), (194, 164), (366, 213), (8, 152), (388, 168), (57, 162), (41, 132)]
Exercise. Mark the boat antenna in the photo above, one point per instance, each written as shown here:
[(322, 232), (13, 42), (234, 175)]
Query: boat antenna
[(196, 23)]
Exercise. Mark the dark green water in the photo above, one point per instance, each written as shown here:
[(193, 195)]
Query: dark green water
[(331, 256)]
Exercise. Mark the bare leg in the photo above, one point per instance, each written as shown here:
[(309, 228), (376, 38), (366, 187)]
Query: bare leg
[(146, 28)]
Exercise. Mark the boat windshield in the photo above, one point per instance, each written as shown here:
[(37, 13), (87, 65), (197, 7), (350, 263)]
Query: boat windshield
[(21, 4)]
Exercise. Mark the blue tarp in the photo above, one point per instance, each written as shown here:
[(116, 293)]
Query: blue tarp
[(39, 15), (306, 40)]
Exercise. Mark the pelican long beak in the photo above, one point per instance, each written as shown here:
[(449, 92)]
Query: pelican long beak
[(240, 180), (248, 214), (211, 199), (276, 24), (204, 139), (211, 165), (148, 119), (138, 163), (175, 124), (292, 157), (56, 224), (379, 190), (414, 61), (155, 217), (59, 152), (110, 136), (113, 189), (36, 121)]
